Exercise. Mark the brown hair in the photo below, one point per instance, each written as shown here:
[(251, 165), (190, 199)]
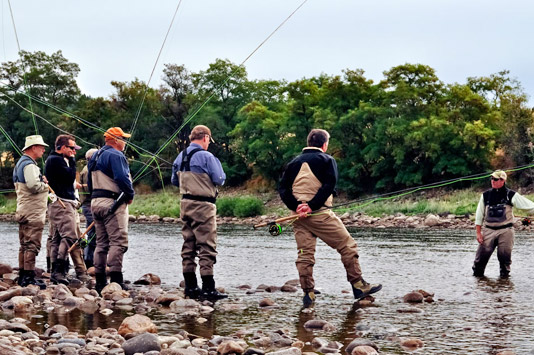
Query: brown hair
[(199, 132), (317, 138), (63, 139)]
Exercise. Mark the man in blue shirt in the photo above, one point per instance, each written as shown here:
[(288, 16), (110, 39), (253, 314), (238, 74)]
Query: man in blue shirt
[(109, 177), (197, 172)]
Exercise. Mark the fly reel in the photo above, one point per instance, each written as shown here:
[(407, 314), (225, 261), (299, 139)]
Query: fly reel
[(275, 229), (526, 221)]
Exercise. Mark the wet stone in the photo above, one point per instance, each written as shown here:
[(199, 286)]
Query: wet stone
[(141, 344)]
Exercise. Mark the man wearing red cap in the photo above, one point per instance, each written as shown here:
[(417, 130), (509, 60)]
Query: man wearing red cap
[(32, 192), (60, 170), (109, 179)]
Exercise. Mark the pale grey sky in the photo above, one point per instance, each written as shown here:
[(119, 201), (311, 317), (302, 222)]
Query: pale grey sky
[(120, 39)]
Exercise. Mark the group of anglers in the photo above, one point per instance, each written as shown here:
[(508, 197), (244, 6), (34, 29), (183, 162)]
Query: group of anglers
[(307, 188)]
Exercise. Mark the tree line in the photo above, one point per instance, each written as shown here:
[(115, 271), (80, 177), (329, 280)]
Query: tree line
[(408, 129)]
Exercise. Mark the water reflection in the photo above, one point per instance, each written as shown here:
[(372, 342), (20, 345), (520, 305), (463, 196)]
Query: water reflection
[(469, 315)]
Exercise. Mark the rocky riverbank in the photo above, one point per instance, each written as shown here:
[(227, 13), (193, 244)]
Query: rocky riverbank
[(137, 334), (358, 219)]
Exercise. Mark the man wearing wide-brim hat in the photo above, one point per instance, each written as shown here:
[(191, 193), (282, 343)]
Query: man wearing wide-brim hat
[(32, 193)]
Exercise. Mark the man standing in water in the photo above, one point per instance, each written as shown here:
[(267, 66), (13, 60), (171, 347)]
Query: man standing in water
[(109, 178), (306, 187), (32, 195), (60, 169), (197, 172), (495, 224)]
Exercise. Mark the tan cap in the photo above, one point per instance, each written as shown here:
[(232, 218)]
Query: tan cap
[(499, 174), (34, 140)]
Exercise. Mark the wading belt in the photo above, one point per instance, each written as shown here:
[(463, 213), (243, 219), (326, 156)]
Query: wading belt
[(185, 165), (104, 193), (500, 227)]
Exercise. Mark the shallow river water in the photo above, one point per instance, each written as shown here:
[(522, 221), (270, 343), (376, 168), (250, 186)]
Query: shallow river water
[(469, 315)]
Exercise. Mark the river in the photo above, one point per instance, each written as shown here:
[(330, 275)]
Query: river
[(469, 315)]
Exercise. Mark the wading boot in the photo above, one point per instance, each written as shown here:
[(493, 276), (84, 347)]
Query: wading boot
[(191, 286), (29, 279), (48, 264), (83, 277), (478, 272), (363, 289), (308, 299), (116, 276), (208, 289), (22, 273), (101, 282), (58, 272)]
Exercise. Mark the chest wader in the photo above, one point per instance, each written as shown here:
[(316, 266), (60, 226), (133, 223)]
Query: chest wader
[(31, 215), (198, 206), (111, 229), (498, 232)]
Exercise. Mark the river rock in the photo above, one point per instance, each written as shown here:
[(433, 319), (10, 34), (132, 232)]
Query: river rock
[(148, 279), (17, 327), (412, 343), (5, 269), (319, 324), (167, 298), (431, 220), (229, 347), (183, 305), (166, 341), (61, 292), (137, 324), (141, 343), (77, 341), (18, 304), (254, 351), (364, 350), (267, 302), (289, 288), (288, 351), (359, 342), (12, 292), (110, 289), (180, 344), (413, 297), (56, 329)]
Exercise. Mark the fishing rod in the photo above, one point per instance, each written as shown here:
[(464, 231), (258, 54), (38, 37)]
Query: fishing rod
[(82, 242), (276, 229)]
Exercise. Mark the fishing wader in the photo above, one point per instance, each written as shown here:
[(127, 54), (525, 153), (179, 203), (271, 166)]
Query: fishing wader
[(199, 230), (30, 215), (111, 230), (498, 232)]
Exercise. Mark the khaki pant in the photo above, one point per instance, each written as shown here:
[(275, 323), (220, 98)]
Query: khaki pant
[(111, 235), (30, 235), (64, 229), (329, 228), (503, 240), (199, 231)]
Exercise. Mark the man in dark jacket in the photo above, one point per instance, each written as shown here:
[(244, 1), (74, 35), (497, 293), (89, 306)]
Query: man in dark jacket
[(60, 170), (306, 188), (109, 177)]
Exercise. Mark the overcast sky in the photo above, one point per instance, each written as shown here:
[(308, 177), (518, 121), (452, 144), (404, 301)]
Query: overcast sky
[(120, 39)]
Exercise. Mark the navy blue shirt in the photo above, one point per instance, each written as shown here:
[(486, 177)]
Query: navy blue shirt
[(201, 162), (113, 163), (61, 175)]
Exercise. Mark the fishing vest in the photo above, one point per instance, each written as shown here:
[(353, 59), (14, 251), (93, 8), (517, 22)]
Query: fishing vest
[(31, 207), (195, 186), (499, 215), (306, 185), (102, 185)]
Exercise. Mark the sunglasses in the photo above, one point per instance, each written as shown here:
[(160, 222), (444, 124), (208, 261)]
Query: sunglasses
[(71, 147), (495, 179)]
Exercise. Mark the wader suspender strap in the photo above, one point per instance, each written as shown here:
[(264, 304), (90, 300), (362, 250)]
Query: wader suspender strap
[(96, 193), (185, 165)]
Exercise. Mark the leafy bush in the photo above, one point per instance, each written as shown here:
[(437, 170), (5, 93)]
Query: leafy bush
[(246, 206), (3, 200)]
